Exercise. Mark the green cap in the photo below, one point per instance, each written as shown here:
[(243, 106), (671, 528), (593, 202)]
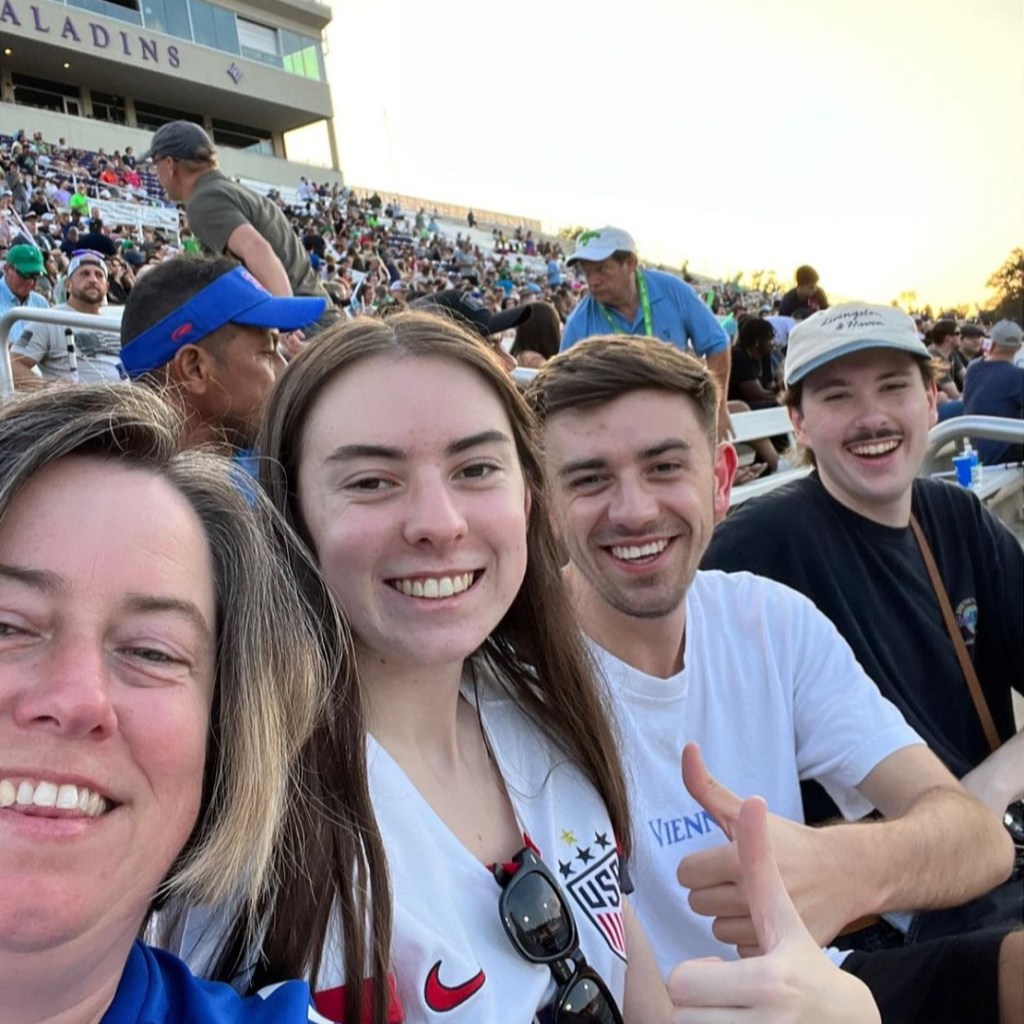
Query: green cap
[(26, 259)]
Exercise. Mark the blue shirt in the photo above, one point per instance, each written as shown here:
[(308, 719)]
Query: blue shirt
[(554, 274), (994, 388), (678, 315), (8, 300), (157, 988)]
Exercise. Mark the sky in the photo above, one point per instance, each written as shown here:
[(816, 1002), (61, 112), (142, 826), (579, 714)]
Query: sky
[(881, 141)]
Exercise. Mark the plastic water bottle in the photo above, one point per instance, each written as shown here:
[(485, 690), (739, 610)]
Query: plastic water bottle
[(975, 463)]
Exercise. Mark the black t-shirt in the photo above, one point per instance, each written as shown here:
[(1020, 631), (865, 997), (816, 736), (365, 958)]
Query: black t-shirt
[(742, 367), (870, 580), (793, 301), (97, 242), (745, 367)]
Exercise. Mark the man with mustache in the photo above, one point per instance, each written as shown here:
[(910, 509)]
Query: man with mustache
[(861, 393)]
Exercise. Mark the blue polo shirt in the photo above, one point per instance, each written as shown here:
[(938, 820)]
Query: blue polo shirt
[(678, 315), (157, 988), (8, 300)]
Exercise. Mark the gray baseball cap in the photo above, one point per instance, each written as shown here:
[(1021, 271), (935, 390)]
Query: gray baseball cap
[(1006, 334), (182, 140), (842, 330)]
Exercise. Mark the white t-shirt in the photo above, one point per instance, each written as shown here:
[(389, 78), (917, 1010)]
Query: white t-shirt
[(450, 955), (773, 695)]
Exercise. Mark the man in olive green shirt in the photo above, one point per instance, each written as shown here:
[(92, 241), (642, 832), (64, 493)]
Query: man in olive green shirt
[(227, 218)]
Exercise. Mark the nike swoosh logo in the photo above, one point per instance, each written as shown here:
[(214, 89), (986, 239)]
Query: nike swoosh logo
[(441, 997)]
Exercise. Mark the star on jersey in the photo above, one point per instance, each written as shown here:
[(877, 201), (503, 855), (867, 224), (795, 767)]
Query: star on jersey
[(591, 877), (568, 837)]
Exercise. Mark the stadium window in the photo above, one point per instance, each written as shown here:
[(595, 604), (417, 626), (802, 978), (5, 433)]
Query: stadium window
[(301, 55), (214, 27), (122, 10), (243, 136), (167, 16), (108, 107), (150, 115), (38, 92), (259, 42)]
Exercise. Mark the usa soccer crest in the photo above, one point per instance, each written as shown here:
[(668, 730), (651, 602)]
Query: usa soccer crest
[(591, 875)]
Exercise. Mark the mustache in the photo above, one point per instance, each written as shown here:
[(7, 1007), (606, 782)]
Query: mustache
[(867, 436)]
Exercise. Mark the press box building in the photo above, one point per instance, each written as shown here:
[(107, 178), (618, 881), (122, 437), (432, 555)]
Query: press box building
[(107, 73)]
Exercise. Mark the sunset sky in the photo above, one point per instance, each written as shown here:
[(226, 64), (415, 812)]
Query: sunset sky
[(881, 141)]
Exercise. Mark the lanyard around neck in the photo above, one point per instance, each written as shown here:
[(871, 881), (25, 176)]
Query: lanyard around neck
[(645, 306)]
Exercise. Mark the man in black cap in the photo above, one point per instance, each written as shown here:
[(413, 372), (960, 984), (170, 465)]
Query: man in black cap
[(471, 312), (227, 218)]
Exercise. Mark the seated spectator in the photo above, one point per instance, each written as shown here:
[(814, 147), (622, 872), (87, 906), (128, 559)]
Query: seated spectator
[(538, 337), (46, 283), (22, 269), (79, 201), (852, 537), (943, 339), (97, 239), (29, 233), (121, 280), (806, 296), (71, 243), (130, 178), (972, 344), (202, 331), (751, 378), (66, 354), (994, 386), (39, 205)]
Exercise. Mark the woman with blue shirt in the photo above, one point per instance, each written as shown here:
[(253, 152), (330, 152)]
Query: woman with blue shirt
[(159, 669)]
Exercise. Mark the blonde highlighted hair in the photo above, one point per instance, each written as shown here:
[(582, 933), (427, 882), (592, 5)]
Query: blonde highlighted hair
[(273, 654)]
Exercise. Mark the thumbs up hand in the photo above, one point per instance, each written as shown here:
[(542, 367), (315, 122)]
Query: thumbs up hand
[(793, 980), (809, 861)]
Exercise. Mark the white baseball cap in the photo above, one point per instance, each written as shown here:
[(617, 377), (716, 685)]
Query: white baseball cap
[(842, 330), (600, 244)]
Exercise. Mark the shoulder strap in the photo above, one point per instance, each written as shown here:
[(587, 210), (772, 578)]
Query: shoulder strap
[(977, 695)]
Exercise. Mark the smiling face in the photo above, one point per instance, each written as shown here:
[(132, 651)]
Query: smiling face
[(413, 495), (107, 616), (636, 488), (866, 417)]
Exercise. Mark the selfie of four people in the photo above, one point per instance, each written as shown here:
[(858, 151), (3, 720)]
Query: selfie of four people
[(336, 747)]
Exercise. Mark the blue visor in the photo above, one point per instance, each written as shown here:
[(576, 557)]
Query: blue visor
[(235, 298)]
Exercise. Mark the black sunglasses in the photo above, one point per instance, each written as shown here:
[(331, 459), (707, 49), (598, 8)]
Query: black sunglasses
[(540, 925), (26, 277)]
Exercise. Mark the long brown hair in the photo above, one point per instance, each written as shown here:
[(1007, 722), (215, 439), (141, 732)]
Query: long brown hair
[(536, 652)]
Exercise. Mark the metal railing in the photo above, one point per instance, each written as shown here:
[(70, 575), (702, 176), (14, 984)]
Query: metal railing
[(60, 317), (989, 428)]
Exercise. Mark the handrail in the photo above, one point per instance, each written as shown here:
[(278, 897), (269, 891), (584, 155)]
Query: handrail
[(990, 428), (39, 315)]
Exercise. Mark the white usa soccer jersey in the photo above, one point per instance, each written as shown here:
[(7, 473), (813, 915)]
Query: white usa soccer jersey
[(451, 958)]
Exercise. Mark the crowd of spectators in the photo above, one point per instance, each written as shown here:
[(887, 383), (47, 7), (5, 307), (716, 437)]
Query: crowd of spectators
[(370, 254), (214, 337)]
